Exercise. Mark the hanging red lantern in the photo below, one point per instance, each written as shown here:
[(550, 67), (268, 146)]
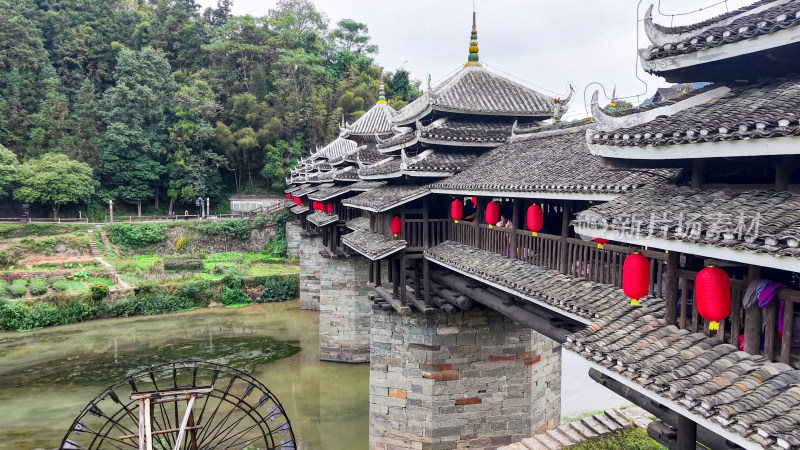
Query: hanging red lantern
[(475, 202), (315, 205), (397, 226), (297, 201), (456, 210), (535, 219), (600, 242), (288, 196), (636, 277), (492, 213), (713, 290), (330, 208)]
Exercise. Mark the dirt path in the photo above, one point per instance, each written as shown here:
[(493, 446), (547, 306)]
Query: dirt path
[(99, 257)]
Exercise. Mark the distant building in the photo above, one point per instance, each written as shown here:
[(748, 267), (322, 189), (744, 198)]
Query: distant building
[(247, 203)]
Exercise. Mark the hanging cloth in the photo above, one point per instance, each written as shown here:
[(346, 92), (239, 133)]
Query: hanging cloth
[(768, 295)]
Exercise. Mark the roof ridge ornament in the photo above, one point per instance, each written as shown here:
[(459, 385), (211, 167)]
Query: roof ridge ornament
[(473, 58), (560, 106), (382, 93)]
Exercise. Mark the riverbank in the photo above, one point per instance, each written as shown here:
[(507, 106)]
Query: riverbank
[(43, 386)]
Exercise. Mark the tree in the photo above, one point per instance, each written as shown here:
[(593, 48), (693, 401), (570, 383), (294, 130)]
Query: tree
[(9, 168), (620, 105), (55, 179), (135, 110), (353, 37)]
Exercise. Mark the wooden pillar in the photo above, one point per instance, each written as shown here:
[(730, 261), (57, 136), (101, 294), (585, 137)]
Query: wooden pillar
[(426, 279), (401, 276), (752, 318), (371, 271), (425, 224), (417, 278), (478, 216), (687, 434), (562, 251), (390, 271), (394, 267), (673, 264), (783, 168), (377, 265), (698, 173), (516, 220), (402, 234)]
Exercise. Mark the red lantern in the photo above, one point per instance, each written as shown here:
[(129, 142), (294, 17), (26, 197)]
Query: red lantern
[(600, 242), (492, 213), (397, 226), (330, 208), (713, 295), (297, 201), (535, 219), (288, 196), (456, 210), (315, 205), (475, 202), (636, 277)]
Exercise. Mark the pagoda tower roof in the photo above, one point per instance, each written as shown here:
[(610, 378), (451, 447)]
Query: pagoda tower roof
[(376, 121)]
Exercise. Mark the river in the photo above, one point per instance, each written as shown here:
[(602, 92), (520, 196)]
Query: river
[(48, 376)]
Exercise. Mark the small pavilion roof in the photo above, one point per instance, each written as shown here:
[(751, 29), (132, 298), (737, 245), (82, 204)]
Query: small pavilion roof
[(372, 245), (428, 163), (296, 188), (760, 227), (467, 132), (322, 219), (336, 191), (386, 198), (547, 164), (477, 90), (404, 138), (376, 121), (359, 223), (299, 209), (338, 147), (310, 189), (349, 173)]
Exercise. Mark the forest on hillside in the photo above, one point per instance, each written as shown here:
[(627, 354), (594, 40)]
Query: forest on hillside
[(153, 103)]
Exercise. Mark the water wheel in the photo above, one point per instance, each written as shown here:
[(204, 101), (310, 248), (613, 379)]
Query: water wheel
[(190, 405)]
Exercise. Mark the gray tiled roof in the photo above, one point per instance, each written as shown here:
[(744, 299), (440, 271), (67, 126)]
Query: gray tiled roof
[(336, 191), (296, 188), (377, 120), (386, 197), (567, 294), (366, 155), (743, 393), (470, 131), (383, 169), (476, 90), (427, 164), (359, 223), (347, 174), (299, 209), (338, 147), (780, 17), (322, 219), (760, 110), (310, 189), (556, 163), (404, 139), (372, 245), (759, 221)]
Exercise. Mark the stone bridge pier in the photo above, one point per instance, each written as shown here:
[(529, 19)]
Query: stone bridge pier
[(338, 288), (472, 380)]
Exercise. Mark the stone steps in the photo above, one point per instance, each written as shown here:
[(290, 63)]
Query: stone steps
[(573, 433)]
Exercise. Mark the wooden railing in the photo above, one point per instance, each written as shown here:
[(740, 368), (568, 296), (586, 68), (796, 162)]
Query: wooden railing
[(586, 259), (413, 232), (540, 250)]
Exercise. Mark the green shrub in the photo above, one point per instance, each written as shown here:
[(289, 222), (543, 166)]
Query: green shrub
[(59, 284), (260, 222), (123, 308), (3, 288), (38, 286), (200, 292), (228, 229), (22, 316), (18, 288), (7, 259), (202, 254), (234, 296), (138, 235), (278, 289), (183, 263), (98, 291), (232, 280), (160, 303)]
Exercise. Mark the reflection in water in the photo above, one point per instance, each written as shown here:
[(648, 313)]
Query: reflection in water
[(48, 376)]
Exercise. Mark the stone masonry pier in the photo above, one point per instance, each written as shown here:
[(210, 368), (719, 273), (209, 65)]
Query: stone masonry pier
[(344, 309), (471, 380)]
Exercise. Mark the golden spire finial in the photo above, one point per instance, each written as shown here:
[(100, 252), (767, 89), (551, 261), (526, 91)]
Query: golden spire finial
[(473, 58)]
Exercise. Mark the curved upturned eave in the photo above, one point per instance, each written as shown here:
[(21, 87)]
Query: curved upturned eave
[(660, 35)]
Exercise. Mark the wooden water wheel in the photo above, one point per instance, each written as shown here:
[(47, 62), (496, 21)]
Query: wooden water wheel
[(189, 405)]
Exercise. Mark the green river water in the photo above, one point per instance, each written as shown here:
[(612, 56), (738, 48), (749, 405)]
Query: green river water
[(47, 376)]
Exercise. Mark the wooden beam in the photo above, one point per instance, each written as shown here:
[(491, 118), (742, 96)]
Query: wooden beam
[(371, 272), (417, 277), (687, 434), (698, 173), (752, 318), (378, 273), (426, 280), (401, 309), (671, 311), (425, 224), (401, 269)]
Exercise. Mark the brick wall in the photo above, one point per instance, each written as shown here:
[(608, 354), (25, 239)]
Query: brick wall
[(310, 265), (293, 238), (344, 309), (546, 378), (447, 382)]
